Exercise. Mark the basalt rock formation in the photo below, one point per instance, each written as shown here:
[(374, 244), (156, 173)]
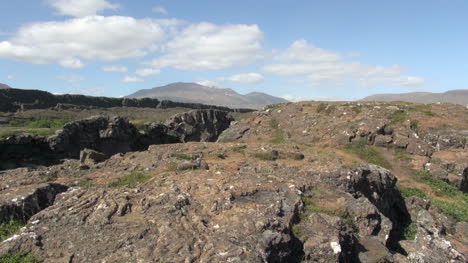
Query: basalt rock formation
[(305, 182), (12, 100), (113, 135)]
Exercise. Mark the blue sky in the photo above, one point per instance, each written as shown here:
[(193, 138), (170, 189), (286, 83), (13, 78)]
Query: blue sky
[(294, 49)]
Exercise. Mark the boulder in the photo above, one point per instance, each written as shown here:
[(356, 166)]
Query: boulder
[(199, 125)]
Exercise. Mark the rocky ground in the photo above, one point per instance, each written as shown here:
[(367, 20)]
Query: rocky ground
[(304, 182)]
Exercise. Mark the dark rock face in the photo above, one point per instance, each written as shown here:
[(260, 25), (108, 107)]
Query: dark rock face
[(22, 203), (201, 125), (12, 100), (111, 136)]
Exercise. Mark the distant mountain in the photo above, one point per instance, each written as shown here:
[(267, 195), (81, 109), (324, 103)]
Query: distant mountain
[(4, 86), (451, 96), (196, 93)]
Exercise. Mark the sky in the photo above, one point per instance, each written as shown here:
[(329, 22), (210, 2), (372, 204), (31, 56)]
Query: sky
[(299, 50)]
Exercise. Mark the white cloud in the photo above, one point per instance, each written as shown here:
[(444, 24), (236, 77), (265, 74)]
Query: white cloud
[(300, 50), (207, 83), (294, 98), (246, 78), (206, 46), (93, 91), (145, 72), (160, 9), (132, 79), (81, 8), (71, 78), (115, 69), (10, 77), (70, 42), (321, 67)]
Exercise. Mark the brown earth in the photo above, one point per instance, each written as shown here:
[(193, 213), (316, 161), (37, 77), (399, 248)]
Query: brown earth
[(284, 185)]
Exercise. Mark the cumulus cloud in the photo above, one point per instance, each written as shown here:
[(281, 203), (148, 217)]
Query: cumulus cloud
[(246, 78), (321, 67), (145, 72), (132, 79), (115, 69), (208, 83), (300, 50), (71, 78), (81, 8), (207, 46), (159, 9), (70, 42)]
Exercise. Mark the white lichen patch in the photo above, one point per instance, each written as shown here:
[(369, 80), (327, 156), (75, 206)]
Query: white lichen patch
[(336, 247)]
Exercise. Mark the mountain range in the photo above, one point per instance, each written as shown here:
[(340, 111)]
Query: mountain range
[(452, 96), (4, 86), (196, 93)]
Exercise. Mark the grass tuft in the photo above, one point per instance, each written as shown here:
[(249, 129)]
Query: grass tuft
[(7, 229), (19, 258), (409, 231), (182, 156), (131, 180), (367, 153), (455, 203), (268, 156)]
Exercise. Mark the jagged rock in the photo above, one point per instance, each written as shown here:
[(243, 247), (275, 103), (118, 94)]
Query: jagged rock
[(88, 156), (382, 140), (24, 148), (452, 166), (21, 203), (431, 243), (200, 125), (322, 243), (234, 132), (419, 147)]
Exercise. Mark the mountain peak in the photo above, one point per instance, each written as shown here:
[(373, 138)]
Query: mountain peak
[(197, 93), (4, 86)]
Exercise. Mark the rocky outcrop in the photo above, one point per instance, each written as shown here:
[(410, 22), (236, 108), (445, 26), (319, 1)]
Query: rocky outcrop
[(201, 125), (20, 203), (431, 242), (12, 100), (105, 135), (110, 136)]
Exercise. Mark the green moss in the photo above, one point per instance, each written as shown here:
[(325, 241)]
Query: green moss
[(440, 187), (86, 184), (399, 116), (7, 229), (367, 153), (321, 107), (409, 231), (219, 155), (182, 156), (357, 109), (19, 258), (278, 137), (274, 123), (268, 156), (131, 180), (239, 149), (409, 191), (455, 203), (171, 167), (414, 125)]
